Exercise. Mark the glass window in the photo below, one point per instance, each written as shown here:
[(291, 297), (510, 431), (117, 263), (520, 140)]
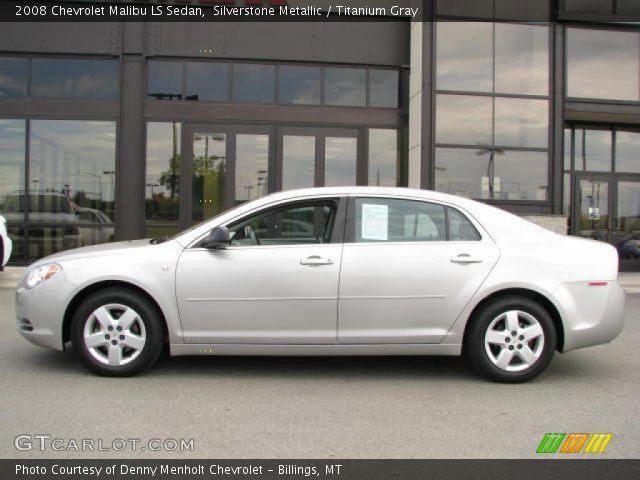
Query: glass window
[(252, 166), (589, 6), (12, 163), (254, 83), (567, 148), (293, 225), (592, 150), (521, 122), (383, 88), (521, 175), (340, 154), (628, 7), (460, 228), (389, 220), (522, 59), (345, 87), (384, 157), (208, 82), (13, 76), (566, 195), (603, 64), (162, 181), (298, 161), (209, 175), (164, 81), (627, 151), (74, 78), (299, 85), (463, 119), (71, 169), (464, 56), (505, 175)]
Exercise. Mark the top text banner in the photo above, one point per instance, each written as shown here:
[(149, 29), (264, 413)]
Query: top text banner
[(212, 10)]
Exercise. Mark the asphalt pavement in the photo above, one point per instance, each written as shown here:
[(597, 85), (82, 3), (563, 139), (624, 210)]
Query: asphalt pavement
[(385, 407)]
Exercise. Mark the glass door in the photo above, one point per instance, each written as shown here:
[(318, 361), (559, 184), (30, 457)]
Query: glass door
[(626, 223), (592, 207), (226, 166), (308, 157)]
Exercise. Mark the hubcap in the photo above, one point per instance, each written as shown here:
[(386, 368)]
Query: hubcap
[(514, 341), (114, 334)]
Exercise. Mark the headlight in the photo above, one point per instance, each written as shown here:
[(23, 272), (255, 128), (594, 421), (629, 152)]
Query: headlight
[(41, 274)]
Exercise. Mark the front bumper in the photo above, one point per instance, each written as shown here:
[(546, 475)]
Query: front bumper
[(40, 310), (592, 314)]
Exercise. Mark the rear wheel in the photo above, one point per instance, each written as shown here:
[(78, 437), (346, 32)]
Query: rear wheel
[(117, 332), (511, 340)]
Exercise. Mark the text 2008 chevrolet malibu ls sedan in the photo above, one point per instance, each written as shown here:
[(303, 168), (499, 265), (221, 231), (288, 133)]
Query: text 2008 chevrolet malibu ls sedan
[(332, 271)]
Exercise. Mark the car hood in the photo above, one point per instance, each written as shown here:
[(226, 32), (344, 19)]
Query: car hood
[(116, 248)]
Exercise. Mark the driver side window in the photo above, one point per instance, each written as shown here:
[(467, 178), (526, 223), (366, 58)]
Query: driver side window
[(292, 225)]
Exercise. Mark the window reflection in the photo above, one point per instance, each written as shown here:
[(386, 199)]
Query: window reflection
[(299, 85), (254, 83), (12, 161), (521, 122), (71, 173), (522, 59), (164, 80), (384, 157), (208, 82), (521, 175), (13, 76), (464, 52), (340, 155), (298, 161), (627, 236), (589, 6), (603, 64), (345, 87), (383, 88), (463, 119), (209, 173), (627, 151), (252, 167), (162, 181), (592, 150), (74, 78)]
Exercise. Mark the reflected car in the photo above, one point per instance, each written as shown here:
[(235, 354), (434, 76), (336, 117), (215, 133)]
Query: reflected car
[(375, 271), (100, 232), (5, 243)]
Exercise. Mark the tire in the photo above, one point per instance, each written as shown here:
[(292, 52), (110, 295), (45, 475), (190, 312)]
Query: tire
[(503, 357), (117, 332)]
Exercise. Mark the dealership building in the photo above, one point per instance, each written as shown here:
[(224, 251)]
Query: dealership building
[(121, 130)]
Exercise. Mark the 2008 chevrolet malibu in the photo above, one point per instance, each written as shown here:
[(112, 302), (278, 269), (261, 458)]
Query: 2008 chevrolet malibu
[(332, 271)]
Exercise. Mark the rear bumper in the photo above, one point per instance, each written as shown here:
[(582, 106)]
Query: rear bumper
[(592, 315)]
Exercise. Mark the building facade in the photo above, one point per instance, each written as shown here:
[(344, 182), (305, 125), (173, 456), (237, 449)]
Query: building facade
[(122, 130)]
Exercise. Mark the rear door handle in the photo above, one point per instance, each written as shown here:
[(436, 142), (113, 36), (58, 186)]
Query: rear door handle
[(466, 258), (316, 260)]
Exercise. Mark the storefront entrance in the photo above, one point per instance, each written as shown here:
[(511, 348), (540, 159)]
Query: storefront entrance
[(607, 208)]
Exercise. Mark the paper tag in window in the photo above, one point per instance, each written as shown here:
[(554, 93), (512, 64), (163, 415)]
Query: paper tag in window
[(375, 222)]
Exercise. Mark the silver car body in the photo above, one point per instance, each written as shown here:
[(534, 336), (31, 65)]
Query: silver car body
[(383, 298)]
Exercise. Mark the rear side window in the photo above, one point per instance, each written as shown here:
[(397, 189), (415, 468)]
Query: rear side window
[(391, 220), (460, 228)]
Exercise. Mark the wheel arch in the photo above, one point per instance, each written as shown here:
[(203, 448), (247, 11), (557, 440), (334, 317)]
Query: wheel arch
[(537, 297), (81, 295)]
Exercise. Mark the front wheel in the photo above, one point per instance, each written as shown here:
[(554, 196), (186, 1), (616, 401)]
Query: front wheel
[(511, 340), (117, 332)]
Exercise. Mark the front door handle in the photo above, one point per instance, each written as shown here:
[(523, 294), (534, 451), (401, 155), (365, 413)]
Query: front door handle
[(316, 260), (466, 258)]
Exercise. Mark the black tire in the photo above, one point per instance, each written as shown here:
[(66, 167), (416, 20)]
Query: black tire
[(476, 350), (148, 320)]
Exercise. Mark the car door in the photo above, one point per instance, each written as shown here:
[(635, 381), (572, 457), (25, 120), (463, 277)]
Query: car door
[(276, 283), (408, 269)]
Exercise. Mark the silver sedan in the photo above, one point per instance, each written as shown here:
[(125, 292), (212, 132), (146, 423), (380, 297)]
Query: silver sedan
[(332, 271)]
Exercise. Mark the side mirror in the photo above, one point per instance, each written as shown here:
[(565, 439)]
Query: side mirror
[(218, 239)]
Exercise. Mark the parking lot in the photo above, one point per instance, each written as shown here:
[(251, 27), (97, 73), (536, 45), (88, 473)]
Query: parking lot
[(393, 407)]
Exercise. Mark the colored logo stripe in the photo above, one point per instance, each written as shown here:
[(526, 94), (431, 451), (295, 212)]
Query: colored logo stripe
[(598, 442), (550, 443), (574, 442)]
